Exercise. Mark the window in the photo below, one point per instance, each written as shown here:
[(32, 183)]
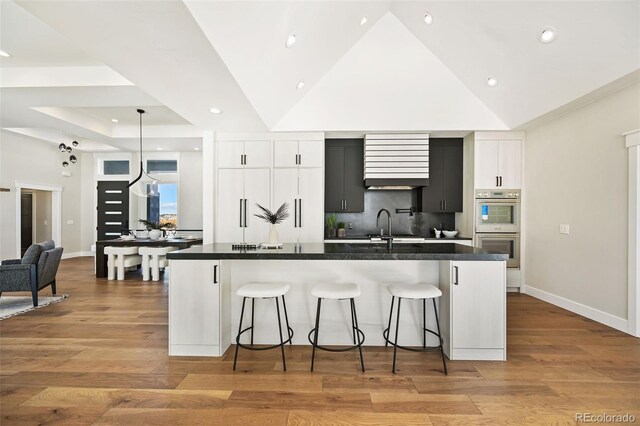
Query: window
[(163, 207), (162, 166), (115, 167)]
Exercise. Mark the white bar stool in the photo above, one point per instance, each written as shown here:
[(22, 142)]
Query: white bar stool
[(255, 291), (337, 292), (415, 292), (154, 258), (120, 258)]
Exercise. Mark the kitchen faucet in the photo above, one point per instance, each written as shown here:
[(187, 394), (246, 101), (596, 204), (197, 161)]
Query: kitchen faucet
[(388, 221)]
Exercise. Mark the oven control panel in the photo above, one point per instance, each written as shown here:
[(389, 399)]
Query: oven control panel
[(512, 194)]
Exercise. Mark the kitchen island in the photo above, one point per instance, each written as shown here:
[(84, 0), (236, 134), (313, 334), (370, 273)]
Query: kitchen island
[(204, 309)]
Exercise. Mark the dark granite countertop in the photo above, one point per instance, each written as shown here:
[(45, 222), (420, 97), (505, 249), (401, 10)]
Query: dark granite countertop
[(342, 251), (365, 238)]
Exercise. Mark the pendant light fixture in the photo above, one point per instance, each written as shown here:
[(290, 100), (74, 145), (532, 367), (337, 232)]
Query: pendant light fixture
[(138, 185)]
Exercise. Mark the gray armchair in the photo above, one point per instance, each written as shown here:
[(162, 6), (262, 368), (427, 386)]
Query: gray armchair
[(36, 270)]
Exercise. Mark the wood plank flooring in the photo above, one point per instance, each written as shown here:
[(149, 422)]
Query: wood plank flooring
[(100, 357)]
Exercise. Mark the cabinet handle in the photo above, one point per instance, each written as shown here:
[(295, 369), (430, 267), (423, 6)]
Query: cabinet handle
[(444, 202), (345, 204), (245, 213), (497, 181), (300, 212), (295, 213), (455, 275), (299, 158), (240, 212), (215, 274), (500, 181)]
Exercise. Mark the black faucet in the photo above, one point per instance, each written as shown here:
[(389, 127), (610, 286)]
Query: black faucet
[(388, 221)]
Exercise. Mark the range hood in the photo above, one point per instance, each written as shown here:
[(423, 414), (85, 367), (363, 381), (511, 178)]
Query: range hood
[(396, 161)]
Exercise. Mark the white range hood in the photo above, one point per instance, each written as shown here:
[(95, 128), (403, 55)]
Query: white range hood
[(396, 161)]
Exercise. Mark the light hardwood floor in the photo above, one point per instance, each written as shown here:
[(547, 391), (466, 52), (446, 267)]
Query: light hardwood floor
[(101, 357)]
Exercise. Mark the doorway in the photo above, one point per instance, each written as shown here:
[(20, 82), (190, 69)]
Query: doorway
[(26, 221), (45, 211)]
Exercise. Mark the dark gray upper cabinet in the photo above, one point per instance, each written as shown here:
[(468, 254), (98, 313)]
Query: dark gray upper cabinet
[(444, 193), (344, 176)]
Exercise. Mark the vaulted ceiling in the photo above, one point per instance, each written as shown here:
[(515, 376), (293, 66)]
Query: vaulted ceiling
[(75, 66)]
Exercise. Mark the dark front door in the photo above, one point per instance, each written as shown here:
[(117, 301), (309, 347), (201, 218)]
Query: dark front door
[(113, 209), (26, 221)]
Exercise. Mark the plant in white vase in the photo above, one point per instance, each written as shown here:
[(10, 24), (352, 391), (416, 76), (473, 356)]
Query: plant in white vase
[(273, 218), (155, 228)]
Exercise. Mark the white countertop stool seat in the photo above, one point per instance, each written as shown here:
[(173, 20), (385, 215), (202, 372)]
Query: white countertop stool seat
[(415, 292), (154, 258), (337, 291), (255, 291), (119, 258)]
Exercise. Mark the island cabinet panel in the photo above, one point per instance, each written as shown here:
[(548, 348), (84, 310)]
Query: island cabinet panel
[(196, 316), (473, 309), (344, 184)]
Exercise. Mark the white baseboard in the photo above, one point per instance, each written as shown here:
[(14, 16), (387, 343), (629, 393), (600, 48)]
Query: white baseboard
[(77, 254), (580, 309)]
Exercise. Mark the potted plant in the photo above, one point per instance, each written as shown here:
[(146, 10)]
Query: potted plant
[(331, 226), (273, 218), (342, 232), (155, 229)]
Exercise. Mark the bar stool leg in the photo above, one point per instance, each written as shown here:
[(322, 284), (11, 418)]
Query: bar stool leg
[(424, 323), (395, 343), (235, 357), (444, 364), (315, 336), (284, 363), (353, 325), (355, 317), (252, 306), (386, 343), (286, 319)]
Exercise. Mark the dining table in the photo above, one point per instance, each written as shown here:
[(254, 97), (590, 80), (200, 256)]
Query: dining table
[(101, 258)]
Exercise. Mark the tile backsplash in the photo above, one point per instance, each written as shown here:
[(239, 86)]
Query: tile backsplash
[(421, 224)]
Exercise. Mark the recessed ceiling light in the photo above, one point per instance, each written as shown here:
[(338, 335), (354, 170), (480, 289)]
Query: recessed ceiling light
[(363, 20), (4, 54), (547, 35), (196, 148), (215, 111), (159, 149), (428, 18), (115, 120), (300, 84), (291, 40), (492, 81)]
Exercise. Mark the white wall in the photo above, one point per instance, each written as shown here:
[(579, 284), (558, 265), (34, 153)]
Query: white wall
[(190, 191), (30, 161), (577, 174)]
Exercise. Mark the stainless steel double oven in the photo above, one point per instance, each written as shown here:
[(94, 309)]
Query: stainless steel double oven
[(497, 222)]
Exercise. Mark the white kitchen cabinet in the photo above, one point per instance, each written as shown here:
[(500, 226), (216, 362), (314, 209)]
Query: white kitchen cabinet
[(473, 309), (302, 189), (241, 154), (197, 320), (292, 153), (238, 192), (498, 164)]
